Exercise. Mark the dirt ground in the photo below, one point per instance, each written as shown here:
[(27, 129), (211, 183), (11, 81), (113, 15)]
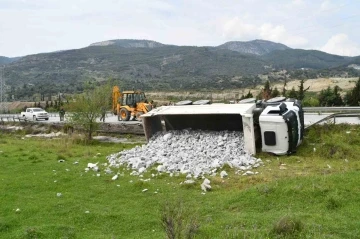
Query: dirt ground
[(316, 85), (19, 105)]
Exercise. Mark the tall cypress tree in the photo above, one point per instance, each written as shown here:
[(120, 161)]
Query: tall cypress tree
[(354, 96)]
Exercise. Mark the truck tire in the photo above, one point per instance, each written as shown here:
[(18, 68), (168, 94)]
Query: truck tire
[(124, 114), (34, 118)]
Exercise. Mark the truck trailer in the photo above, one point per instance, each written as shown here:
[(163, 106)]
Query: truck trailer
[(275, 126)]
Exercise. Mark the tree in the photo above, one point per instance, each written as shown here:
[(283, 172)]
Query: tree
[(248, 95), (87, 107), (275, 93), (330, 97), (283, 93), (353, 98), (325, 97), (292, 93), (337, 97), (301, 93), (266, 92)]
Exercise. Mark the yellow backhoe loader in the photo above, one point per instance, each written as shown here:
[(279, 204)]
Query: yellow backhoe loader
[(129, 105)]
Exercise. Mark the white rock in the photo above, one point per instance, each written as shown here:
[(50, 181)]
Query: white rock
[(108, 171), (142, 169), (223, 174), (247, 173), (167, 136), (59, 194), (195, 153), (205, 186), (145, 190), (115, 177), (17, 210), (189, 181), (91, 165)]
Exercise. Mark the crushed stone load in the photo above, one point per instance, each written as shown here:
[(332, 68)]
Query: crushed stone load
[(193, 152)]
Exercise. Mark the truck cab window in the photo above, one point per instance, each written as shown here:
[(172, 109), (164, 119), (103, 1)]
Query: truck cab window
[(270, 138)]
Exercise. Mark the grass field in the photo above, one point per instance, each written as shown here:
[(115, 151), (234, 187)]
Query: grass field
[(314, 193)]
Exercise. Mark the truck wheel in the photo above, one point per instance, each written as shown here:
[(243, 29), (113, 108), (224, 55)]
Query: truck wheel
[(34, 118), (124, 114)]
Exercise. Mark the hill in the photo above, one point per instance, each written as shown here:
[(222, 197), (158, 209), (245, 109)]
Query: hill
[(151, 65), (298, 58), (4, 60), (256, 47), (7, 60), (144, 67), (129, 43)]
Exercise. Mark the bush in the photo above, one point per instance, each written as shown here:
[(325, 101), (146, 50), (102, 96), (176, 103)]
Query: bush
[(287, 226), (177, 222)]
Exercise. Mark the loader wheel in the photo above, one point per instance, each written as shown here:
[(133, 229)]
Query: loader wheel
[(124, 114)]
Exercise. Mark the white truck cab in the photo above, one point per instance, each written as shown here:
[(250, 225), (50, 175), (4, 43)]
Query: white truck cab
[(282, 127)]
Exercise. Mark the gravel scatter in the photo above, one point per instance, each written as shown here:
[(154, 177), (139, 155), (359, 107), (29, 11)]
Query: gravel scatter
[(191, 152)]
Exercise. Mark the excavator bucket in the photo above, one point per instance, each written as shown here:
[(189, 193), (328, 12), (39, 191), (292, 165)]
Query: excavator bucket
[(215, 117)]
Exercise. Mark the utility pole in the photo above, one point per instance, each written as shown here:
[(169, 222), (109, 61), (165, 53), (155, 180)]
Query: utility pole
[(3, 105)]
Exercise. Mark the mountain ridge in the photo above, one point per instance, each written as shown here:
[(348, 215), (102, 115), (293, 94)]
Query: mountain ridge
[(152, 65), (256, 47)]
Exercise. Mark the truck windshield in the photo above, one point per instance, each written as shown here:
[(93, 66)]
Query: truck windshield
[(293, 129), (37, 110)]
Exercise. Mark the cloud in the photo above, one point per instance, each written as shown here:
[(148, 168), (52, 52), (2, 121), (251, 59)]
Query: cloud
[(298, 2), (326, 5), (237, 29), (278, 34), (340, 44)]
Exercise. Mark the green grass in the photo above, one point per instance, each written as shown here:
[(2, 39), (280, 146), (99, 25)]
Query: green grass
[(311, 194)]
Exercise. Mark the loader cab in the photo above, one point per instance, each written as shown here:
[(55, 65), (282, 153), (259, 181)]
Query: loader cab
[(281, 128), (131, 98)]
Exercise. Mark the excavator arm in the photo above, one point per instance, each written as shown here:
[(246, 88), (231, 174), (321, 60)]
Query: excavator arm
[(116, 94)]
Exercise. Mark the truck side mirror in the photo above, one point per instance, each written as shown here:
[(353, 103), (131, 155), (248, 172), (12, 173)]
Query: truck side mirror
[(282, 108)]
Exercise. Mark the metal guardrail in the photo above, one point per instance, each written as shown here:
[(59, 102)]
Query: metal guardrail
[(18, 115), (334, 116), (330, 109)]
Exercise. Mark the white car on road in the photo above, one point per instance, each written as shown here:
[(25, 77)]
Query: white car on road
[(35, 114)]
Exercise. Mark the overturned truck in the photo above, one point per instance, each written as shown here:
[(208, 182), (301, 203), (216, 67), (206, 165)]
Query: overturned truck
[(274, 126)]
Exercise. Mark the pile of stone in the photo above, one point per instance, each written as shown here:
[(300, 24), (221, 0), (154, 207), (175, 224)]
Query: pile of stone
[(191, 152)]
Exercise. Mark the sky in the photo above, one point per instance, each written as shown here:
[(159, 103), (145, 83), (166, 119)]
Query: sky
[(37, 26)]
